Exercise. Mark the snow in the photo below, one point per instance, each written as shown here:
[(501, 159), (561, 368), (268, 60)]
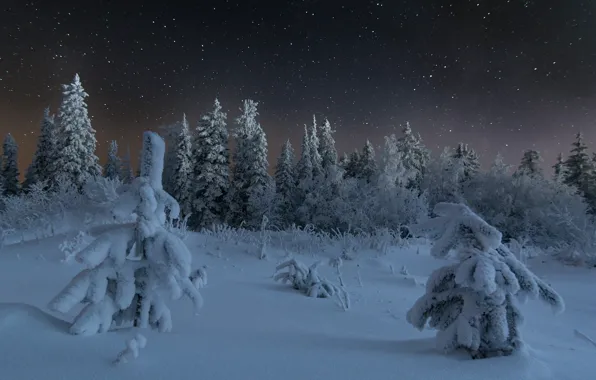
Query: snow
[(255, 328)]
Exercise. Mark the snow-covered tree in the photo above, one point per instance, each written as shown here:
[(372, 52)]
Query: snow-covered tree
[(414, 158), (530, 164), (474, 303), (132, 269), (327, 149), (250, 177), (45, 153), (211, 178), (368, 164), (578, 166), (170, 134), (390, 168), (113, 164), (10, 170), (443, 182), (183, 169), (76, 161), (285, 184), (315, 155), (467, 159), (126, 172), (559, 169), (352, 165), (499, 167)]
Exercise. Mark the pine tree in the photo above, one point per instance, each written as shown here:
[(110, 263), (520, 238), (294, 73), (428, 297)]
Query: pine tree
[(499, 167), (530, 164), (474, 304), (414, 159), (250, 177), (131, 271), (327, 150), (467, 159), (211, 177), (126, 172), (353, 165), (113, 164), (285, 184), (578, 166), (390, 170), (559, 169), (368, 165), (10, 170), (183, 169), (313, 146), (76, 161), (45, 153)]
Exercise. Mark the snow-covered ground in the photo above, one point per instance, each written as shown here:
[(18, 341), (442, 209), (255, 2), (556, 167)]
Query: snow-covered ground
[(254, 328)]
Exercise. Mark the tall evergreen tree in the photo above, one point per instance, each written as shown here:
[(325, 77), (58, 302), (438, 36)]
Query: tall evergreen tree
[(414, 158), (530, 164), (559, 169), (250, 177), (285, 184), (368, 165), (183, 169), (10, 170), (126, 172), (467, 159), (77, 161), (211, 177), (113, 164), (327, 150), (170, 134), (45, 153), (353, 164), (578, 166), (390, 170), (313, 146)]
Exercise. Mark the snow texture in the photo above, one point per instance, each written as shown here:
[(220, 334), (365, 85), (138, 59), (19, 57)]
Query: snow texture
[(474, 303)]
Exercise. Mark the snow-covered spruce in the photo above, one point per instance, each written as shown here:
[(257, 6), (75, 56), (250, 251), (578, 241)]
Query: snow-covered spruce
[(473, 303), (308, 281), (132, 269)]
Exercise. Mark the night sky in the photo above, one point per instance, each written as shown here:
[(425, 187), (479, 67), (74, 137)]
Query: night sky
[(501, 75)]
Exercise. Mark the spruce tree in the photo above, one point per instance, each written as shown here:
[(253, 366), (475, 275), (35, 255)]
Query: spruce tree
[(530, 164), (250, 177), (211, 177), (414, 158), (578, 166), (183, 169), (113, 164), (126, 172), (313, 146), (327, 150), (45, 153), (390, 170), (352, 166), (76, 161), (285, 184), (466, 158), (170, 134), (368, 165), (304, 180), (10, 170), (559, 169)]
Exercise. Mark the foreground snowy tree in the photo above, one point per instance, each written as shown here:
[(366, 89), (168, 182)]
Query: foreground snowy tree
[(113, 165), (10, 170), (211, 176), (183, 167), (474, 303), (76, 160), (132, 269)]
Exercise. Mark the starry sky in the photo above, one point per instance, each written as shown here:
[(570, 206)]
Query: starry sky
[(501, 75)]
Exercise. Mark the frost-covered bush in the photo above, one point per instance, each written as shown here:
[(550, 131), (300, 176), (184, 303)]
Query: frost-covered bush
[(131, 270), (308, 281), (474, 303), (543, 212)]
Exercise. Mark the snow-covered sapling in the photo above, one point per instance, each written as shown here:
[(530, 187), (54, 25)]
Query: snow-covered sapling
[(308, 281), (473, 303), (131, 351), (133, 268)]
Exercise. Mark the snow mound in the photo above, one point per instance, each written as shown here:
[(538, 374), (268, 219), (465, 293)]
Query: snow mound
[(15, 315)]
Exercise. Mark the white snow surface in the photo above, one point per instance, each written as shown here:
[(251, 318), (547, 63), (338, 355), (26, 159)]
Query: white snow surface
[(254, 328)]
